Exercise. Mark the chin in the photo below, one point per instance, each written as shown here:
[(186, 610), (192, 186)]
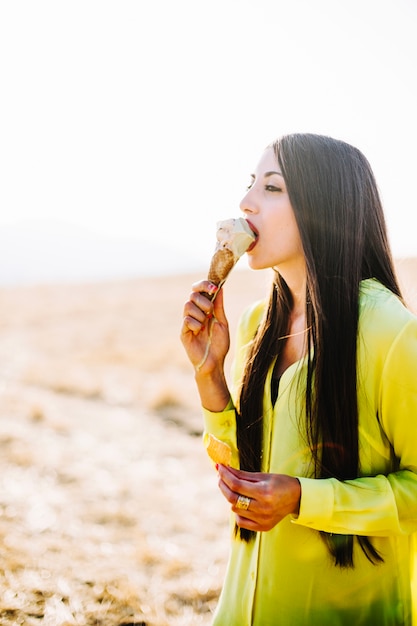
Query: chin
[(258, 266), (252, 263)]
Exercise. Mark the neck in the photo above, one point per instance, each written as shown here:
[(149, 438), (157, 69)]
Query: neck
[(296, 279)]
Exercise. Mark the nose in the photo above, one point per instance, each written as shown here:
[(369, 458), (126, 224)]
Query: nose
[(247, 204)]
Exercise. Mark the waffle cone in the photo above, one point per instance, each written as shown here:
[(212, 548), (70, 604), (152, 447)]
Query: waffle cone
[(222, 263)]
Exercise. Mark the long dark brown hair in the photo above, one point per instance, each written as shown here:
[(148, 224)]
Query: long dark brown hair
[(339, 214)]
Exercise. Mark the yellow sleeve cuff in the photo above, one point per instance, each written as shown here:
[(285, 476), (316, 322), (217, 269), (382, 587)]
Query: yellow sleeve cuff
[(316, 504)]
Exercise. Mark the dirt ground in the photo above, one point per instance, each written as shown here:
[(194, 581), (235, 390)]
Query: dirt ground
[(109, 509)]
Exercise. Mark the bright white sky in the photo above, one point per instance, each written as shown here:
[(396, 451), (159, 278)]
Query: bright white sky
[(144, 119)]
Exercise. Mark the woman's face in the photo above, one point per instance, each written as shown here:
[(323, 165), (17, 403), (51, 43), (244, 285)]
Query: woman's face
[(267, 208)]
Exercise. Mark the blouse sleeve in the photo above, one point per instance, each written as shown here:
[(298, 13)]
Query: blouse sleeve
[(377, 505), (223, 424)]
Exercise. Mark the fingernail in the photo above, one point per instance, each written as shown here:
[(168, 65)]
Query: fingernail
[(209, 316), (212, 288), (217, 466)]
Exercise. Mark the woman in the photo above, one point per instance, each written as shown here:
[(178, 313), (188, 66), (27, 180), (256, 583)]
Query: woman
[(322, 417)]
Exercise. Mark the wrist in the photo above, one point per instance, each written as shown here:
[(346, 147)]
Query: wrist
[(213, 390), (215, 375)]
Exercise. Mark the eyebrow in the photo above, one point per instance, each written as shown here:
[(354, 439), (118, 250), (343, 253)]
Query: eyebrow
[(272, 173), (267, 174)]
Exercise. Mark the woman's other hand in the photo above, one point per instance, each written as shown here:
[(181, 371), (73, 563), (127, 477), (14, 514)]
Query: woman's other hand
[(268, 497)]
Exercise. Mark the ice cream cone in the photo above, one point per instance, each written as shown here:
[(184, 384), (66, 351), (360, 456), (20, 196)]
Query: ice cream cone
[(234, 237)]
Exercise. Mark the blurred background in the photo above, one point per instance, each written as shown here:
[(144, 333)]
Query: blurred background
[(129, 128)]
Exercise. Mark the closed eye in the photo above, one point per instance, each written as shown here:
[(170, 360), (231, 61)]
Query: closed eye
[(272, 188)]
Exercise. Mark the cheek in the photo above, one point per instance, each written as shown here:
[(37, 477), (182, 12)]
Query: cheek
[(282, 230), (284, 238), (291, 228), (297, 237)]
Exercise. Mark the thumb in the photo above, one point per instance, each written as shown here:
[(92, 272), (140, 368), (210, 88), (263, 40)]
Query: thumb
[(218, 309)]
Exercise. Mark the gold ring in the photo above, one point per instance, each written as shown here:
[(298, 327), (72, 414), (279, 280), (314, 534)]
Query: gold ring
[(242, 502)]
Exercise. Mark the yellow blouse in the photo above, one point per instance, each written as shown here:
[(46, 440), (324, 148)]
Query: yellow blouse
[(286, 577)]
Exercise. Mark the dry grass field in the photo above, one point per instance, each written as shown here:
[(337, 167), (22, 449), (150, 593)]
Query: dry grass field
[(109, 509)]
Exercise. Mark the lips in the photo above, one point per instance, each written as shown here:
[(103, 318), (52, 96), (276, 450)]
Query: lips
[(256, 233)]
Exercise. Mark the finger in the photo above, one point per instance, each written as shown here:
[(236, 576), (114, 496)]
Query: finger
[(199, 307), (218, 309), (202, 302), (251, 477), (205, 286), (237, 481), (190, 324), (242, 504), (230, 495), (233, 498), (246, 522)]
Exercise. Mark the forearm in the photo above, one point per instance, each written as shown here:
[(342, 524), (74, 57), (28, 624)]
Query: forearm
[(213, 390)]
